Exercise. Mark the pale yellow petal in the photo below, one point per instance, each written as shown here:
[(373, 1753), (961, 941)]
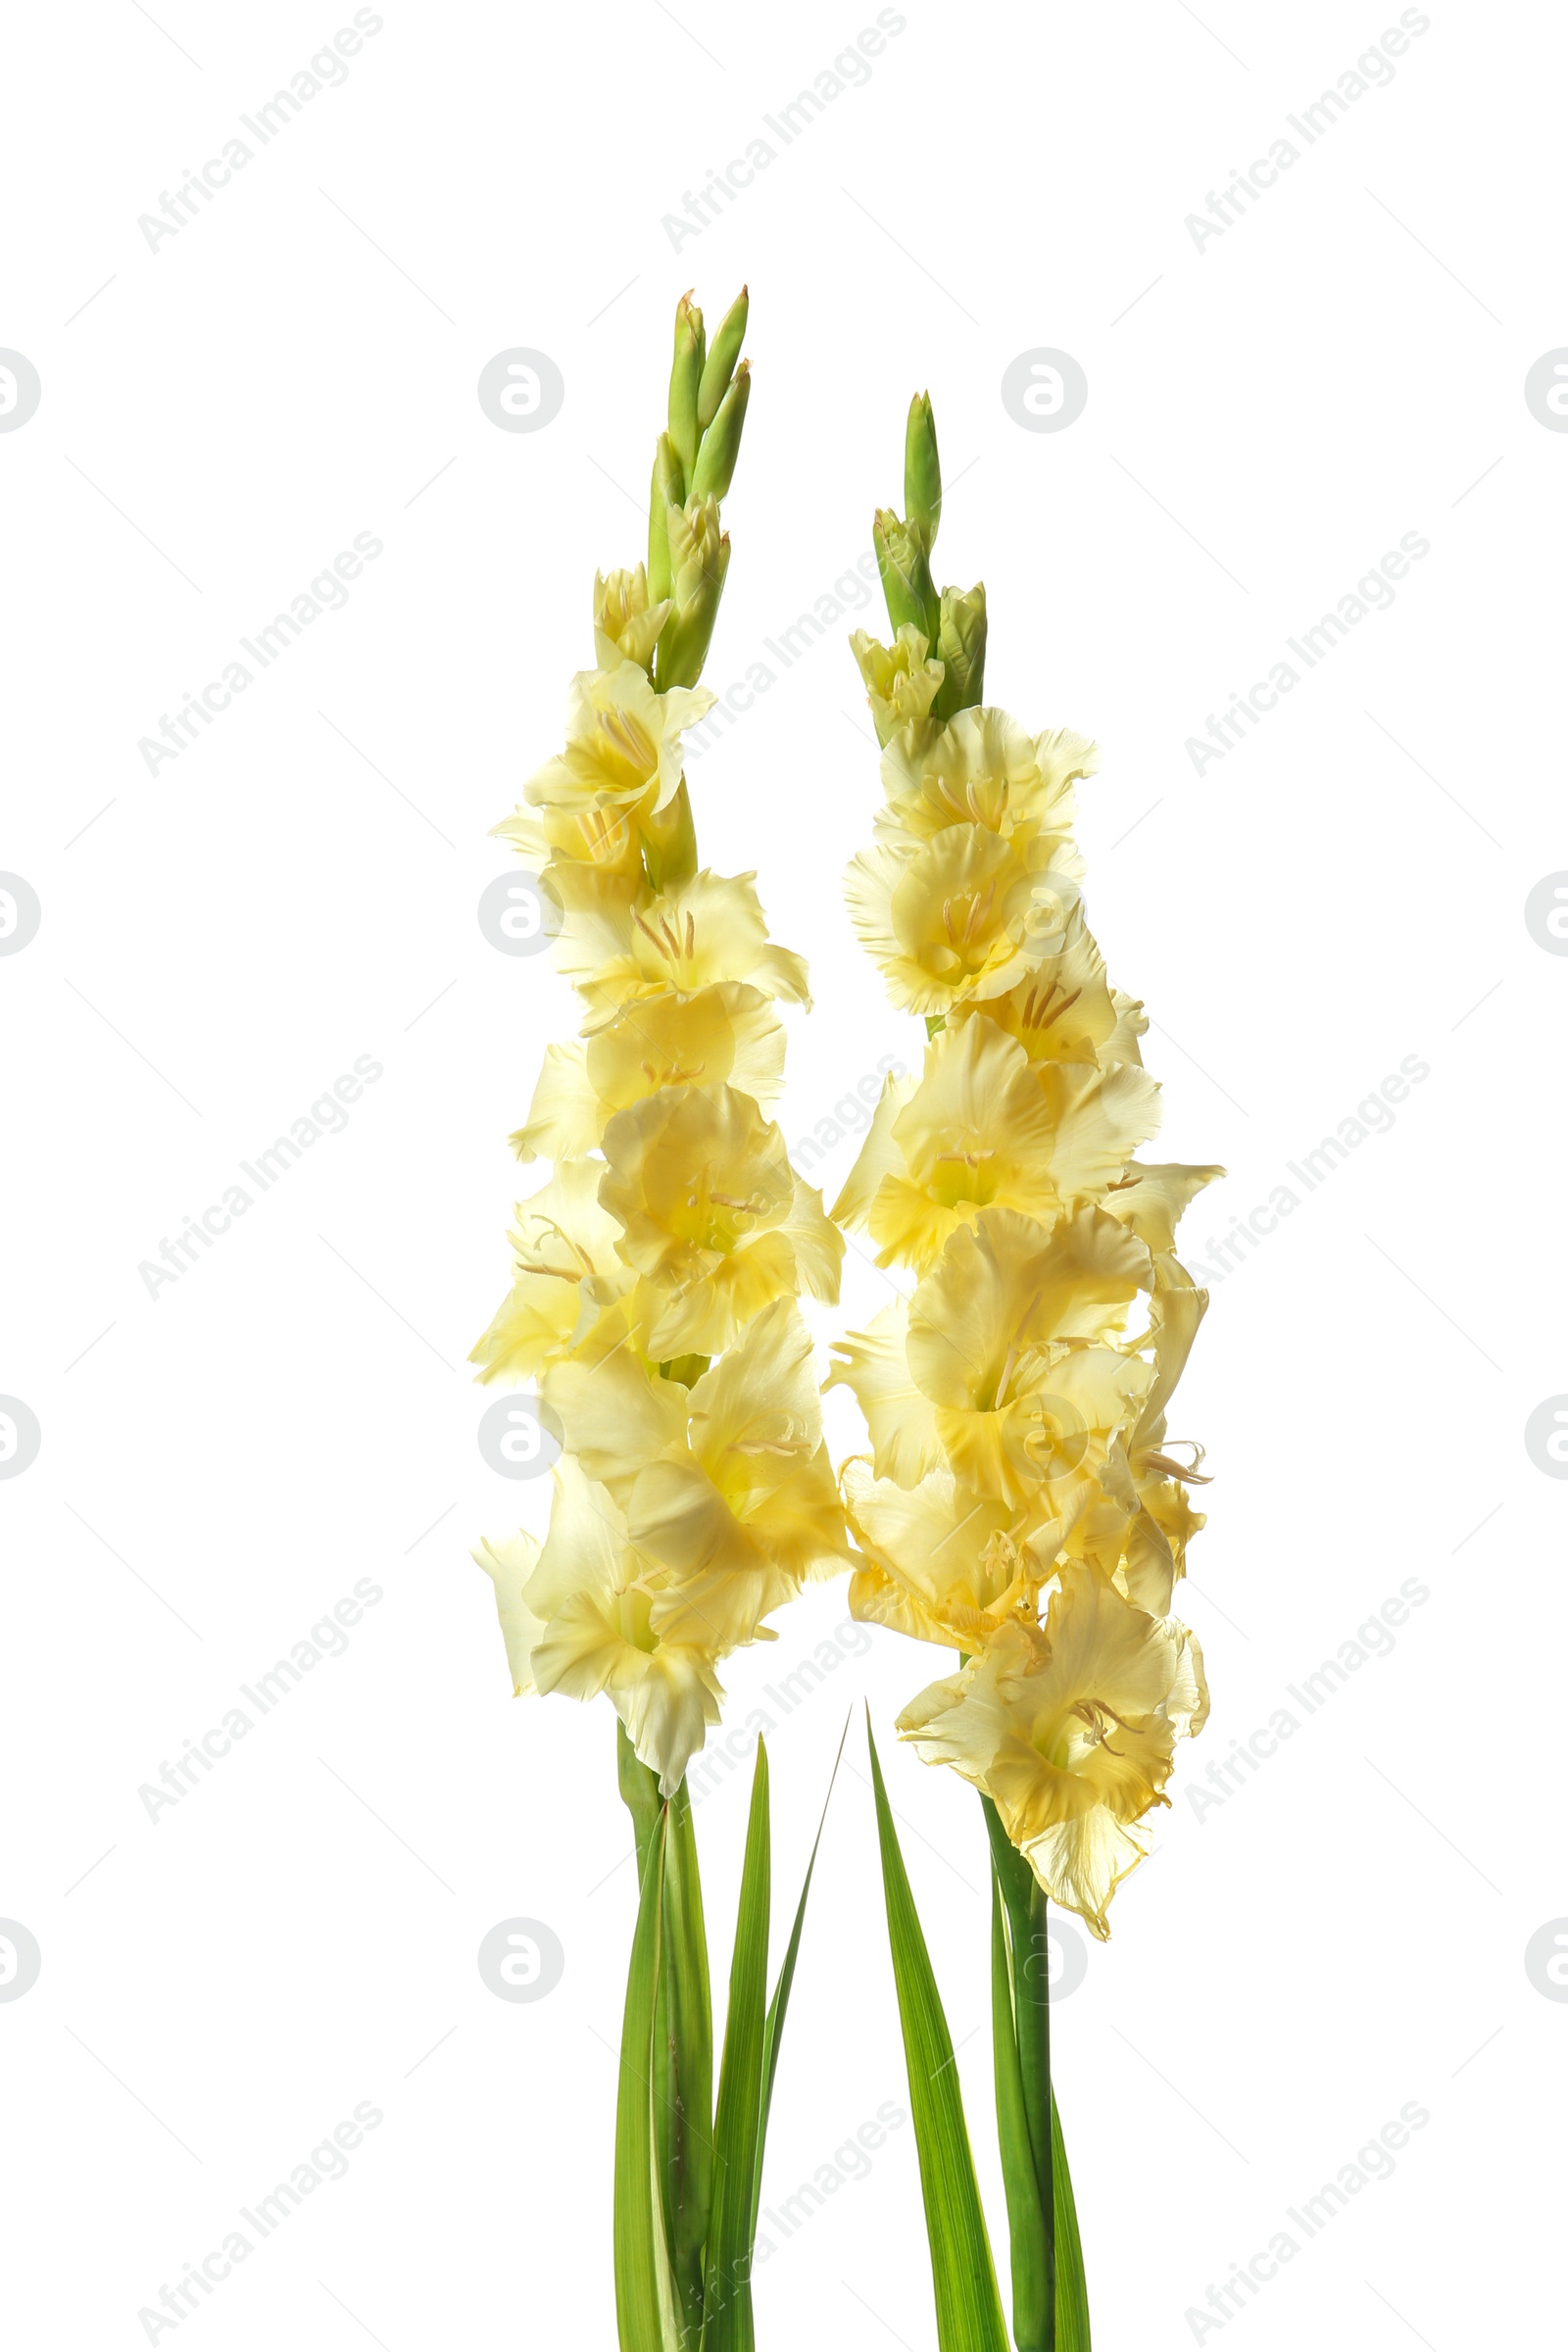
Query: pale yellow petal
[(509, 1564)]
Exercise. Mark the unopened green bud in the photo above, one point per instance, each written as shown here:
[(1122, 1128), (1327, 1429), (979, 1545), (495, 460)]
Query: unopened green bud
[(720, 364), (687, 635), (685, 376), (668, 489), (694, 543), (670, 843), (721, 443), (922, 468), (961, 645), (903, 557)]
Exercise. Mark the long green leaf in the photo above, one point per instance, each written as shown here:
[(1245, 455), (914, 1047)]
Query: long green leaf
[(1026, 1923), (728, 2324), (1072, 2291), (641, 2272), (778, 2007), (1030, 2253), (639, 1790), (963, 2274), (683, 2069)]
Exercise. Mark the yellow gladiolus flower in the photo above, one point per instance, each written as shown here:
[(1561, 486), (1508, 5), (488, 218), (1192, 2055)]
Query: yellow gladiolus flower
[(939, 1562), (623, 743), (983, 768), (1005, 1339), (901, 1417), (508, 1565), (709, 929), (593, 1593), (713, 1216), (744, 1509), (1071, 1729), (1064, 1007), (963, 917), (568, 1278), (724, 1035), (984, 1126)]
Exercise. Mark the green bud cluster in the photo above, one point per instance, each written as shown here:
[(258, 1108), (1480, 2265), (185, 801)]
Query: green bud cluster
[(694, 464), (952, 621)]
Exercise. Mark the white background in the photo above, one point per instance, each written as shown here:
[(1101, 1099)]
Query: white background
[(1266, 417)]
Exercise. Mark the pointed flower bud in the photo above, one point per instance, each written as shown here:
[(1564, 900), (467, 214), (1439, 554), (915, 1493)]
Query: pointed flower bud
[(903, 559), (961, 645), (685, 376), (720, 364), (683, 647), (922, 467), (721, 443), (627, 625), (668, 489), (900, 684)]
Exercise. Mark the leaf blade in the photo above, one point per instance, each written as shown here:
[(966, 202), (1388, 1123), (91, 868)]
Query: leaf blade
[(728, 2293), (1029, 2256), (1072, 2289), (640, 2277), (683, 2066), (963, 2276)]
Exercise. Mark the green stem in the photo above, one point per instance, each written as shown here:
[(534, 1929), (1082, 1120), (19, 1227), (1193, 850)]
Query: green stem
[(1022, 2015)]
